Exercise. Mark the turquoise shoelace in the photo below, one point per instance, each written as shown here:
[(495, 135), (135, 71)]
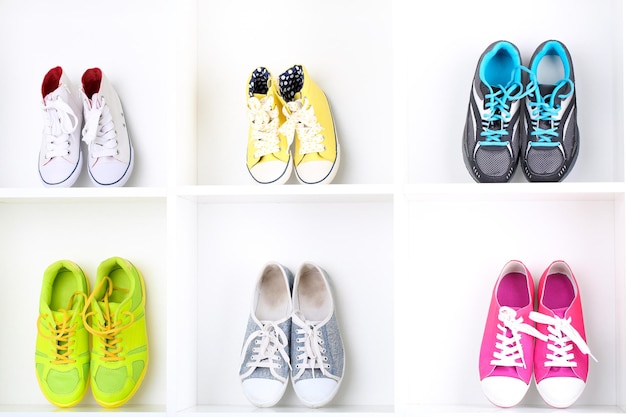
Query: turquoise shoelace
[(499, 105), (545, 109)]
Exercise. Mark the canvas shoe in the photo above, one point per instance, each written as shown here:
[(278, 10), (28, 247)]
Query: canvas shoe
[(491, 137), (269, 158), (561, 361), (119, 353), (309, 120), (264, 365), (506, 351), (317, 353), (111, 157), (60, 157), (62, 346), (550, 130)]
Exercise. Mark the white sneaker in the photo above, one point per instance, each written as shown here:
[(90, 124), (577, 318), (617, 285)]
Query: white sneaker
[(110, 160), (60, 158)]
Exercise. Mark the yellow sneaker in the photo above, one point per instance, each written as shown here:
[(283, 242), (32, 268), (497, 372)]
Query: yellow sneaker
[(62, 346), (316, 155), (119, 353), (269, 158)]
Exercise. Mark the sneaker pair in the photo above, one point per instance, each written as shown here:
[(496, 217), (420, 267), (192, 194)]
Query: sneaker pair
[(114, 313), (512, 347), (279, 111), (548, 136), (292, 329), (110, 151)]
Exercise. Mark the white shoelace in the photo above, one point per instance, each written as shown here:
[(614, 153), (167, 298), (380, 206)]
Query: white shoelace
[(562, 335), (270, 341), (312, 351), (59, 122), (263, 117), (509, 349), (99, 129), (301, 118)]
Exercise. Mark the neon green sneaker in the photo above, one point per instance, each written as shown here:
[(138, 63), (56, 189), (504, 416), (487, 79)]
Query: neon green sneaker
[(269, 157), (309, 120), (119, 353), (62, 347)]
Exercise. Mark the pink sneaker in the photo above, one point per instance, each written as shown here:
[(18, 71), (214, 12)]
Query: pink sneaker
[(506, 353), (561, 362)]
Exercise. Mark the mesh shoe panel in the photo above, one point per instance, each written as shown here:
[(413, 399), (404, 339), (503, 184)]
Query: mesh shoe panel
[(493, 162), (545, 161)]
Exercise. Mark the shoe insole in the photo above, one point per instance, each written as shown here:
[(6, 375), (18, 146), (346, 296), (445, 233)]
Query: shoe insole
[(313, 297), (499, 69), (558, 293), (63, 288), (121, 285), (513, 290), (273, 301), (550, 70)]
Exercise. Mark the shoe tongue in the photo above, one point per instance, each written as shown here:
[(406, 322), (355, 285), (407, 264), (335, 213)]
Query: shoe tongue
[(560, 312), (61, 92), (59, 316), (96, 101), (546, 91), (113, 307), (484, 88), (52, 96)]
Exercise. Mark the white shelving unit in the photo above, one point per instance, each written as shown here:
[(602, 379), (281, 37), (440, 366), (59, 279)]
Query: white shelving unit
[(412, 244)]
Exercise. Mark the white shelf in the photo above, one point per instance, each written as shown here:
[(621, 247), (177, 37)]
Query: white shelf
[(288, 193), (51, 195), (520, 411), (371, 411), (516, 191), (412, 244)]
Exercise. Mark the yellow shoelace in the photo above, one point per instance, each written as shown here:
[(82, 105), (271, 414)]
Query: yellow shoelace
[(60, 334), (107, 330)]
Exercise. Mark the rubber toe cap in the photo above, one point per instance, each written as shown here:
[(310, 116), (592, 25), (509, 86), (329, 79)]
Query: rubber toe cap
[(560, 392), (504, 391)]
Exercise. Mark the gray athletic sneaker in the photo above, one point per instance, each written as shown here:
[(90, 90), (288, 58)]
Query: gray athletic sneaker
[(491, 136), (317, 355), (550, 129), (264, 366)]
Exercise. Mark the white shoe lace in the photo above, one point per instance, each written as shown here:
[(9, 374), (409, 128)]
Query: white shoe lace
[(99, 129), (263, 117), (270, 341), (301, 118), (312, 351), (510, 350), (562, 335), (59, 122)]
